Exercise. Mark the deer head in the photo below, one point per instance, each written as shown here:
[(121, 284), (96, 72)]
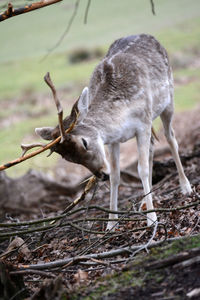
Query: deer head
[(83, 144)]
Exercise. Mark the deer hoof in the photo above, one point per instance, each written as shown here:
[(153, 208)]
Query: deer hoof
[(186, 187)]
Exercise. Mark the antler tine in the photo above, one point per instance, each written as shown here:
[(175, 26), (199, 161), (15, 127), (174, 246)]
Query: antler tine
[(26, 147), (49, 82), (44, 147)]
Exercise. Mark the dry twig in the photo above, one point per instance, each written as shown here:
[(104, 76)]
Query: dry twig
[(174, 259), (12, 12), (88, 187), (112, 253), (86, 11), (146, 246), (34, 272), (152, 7), (34, 222), (53, 224), (66, 30)]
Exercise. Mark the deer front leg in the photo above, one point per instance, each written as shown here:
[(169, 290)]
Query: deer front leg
[(114, 151), (143, 143)]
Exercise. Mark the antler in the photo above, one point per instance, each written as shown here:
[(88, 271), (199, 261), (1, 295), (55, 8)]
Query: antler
[(43, 148), (48, 81), (27, 147)]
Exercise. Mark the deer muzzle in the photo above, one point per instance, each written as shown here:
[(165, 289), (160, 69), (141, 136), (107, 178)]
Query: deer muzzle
[(102, 176)]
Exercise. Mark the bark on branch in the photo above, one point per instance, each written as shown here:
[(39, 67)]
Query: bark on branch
[(102, 255), (12, 12), (175, 259), (66, 212)]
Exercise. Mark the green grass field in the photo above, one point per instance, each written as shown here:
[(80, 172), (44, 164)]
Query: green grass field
[(30, 35), (25, 41)]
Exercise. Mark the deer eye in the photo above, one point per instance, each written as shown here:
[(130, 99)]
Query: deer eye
[(85, 143)]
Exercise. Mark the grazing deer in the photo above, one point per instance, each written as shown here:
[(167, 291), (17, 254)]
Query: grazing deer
[(129, 88)]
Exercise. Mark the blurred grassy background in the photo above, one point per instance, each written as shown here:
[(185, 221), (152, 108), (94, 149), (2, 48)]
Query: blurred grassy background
[(25, 41)]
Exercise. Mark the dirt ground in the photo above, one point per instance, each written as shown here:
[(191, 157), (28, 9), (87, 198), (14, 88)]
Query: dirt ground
[(82, 233)]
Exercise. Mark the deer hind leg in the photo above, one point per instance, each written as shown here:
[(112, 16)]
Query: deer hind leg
[(151, 153), (114, 152), (143, 143), (166, 118)]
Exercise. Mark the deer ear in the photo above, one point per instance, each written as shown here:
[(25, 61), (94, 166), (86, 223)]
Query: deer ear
[(45, 132), (83, 103)]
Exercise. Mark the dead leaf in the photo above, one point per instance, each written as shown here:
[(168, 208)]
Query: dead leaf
[(19, 245), (144, 206), (81, 276)]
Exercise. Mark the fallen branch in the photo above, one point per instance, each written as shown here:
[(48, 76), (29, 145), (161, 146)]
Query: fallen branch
[(188, 263), (34, 222), (100, 241), (26, 231), (174, 260), (52, 224), (34, 272), (68, 223), (12, 12), (93, 263), (108, 254), (89, 185), (130, 212), (146, 246)]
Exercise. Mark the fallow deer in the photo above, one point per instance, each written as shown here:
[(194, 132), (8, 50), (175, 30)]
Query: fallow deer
[(128, 89)]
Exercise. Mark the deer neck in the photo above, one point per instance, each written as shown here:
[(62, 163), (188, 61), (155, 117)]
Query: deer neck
[(99, 128)]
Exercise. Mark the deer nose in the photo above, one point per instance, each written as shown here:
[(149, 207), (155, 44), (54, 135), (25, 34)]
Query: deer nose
[(102, 176)]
